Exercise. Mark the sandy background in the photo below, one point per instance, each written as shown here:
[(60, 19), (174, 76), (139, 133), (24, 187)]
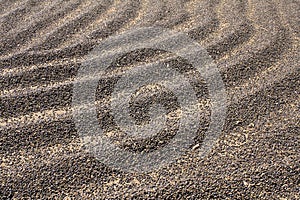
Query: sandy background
[(255, 45)]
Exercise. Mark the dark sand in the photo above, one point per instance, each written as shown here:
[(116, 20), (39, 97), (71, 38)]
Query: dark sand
[(254, 43)]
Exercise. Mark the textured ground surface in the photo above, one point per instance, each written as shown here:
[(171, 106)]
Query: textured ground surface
[(254, 43)]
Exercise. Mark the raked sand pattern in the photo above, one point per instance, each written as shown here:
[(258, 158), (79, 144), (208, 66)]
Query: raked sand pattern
[(255, 45)]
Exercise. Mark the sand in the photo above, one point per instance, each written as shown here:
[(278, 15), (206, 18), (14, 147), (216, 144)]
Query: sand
[(255, 45)]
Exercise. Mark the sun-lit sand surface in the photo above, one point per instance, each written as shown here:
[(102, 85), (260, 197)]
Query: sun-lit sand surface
[(255, 45)]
